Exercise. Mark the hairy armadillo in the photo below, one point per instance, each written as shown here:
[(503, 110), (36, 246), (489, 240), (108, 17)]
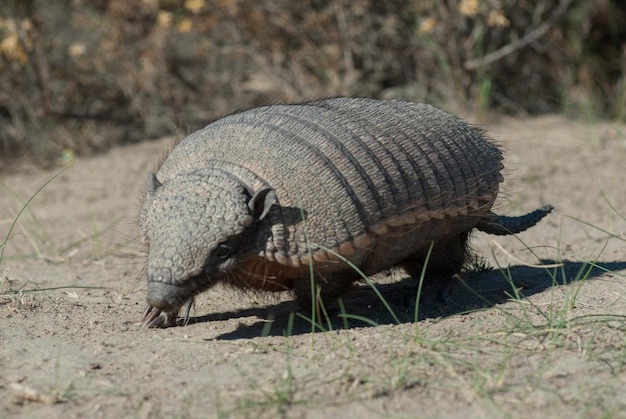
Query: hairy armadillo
[(263, 198)]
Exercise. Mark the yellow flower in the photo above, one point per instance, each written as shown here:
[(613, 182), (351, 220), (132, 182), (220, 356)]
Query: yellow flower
[(195, 6), (185, 25), (496, 18), (468, 7), (76, 49), (164, 19), (11, 48), (427, 25)]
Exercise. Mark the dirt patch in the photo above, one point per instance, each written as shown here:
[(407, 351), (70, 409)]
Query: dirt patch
[(513, 342)]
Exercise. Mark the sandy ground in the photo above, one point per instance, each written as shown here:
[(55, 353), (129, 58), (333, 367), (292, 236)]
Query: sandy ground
[(73, 293)]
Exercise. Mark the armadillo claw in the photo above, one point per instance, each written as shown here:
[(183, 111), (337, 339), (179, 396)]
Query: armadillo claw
[(153, 318)]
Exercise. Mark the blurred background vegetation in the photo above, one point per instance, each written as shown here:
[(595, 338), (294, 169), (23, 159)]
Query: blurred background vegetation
[(80, 76)]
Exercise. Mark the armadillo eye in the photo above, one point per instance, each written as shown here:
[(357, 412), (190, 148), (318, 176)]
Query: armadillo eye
[(222, 251)]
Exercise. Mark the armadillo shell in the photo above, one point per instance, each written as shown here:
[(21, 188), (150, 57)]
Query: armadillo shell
[(348, 170)]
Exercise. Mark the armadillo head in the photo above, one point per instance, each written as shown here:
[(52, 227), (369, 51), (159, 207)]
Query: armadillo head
[(198, 226)]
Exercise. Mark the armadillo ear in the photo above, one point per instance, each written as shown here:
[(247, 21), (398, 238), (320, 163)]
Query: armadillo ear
[(261, 202), (152, 184)]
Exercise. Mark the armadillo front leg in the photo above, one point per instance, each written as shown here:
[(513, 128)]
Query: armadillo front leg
[(323, 290)]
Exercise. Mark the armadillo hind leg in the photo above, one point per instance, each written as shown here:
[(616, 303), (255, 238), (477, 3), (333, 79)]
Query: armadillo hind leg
[(446, 259), (501, 225)]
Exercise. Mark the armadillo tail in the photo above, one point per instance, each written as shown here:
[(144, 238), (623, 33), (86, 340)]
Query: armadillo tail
[(501, 225)]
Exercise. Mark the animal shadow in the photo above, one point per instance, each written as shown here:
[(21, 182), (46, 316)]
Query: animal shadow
[(439, 298)]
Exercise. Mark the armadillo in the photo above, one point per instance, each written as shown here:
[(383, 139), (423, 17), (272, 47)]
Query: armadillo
[(273, 197)]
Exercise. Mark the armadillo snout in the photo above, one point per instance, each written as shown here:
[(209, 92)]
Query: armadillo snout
[(166, 297)]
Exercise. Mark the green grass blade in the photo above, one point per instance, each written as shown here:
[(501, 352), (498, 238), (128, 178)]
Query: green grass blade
[(14, 223)]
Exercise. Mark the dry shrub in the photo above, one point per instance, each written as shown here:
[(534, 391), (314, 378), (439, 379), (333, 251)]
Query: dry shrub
[(83, 75)]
